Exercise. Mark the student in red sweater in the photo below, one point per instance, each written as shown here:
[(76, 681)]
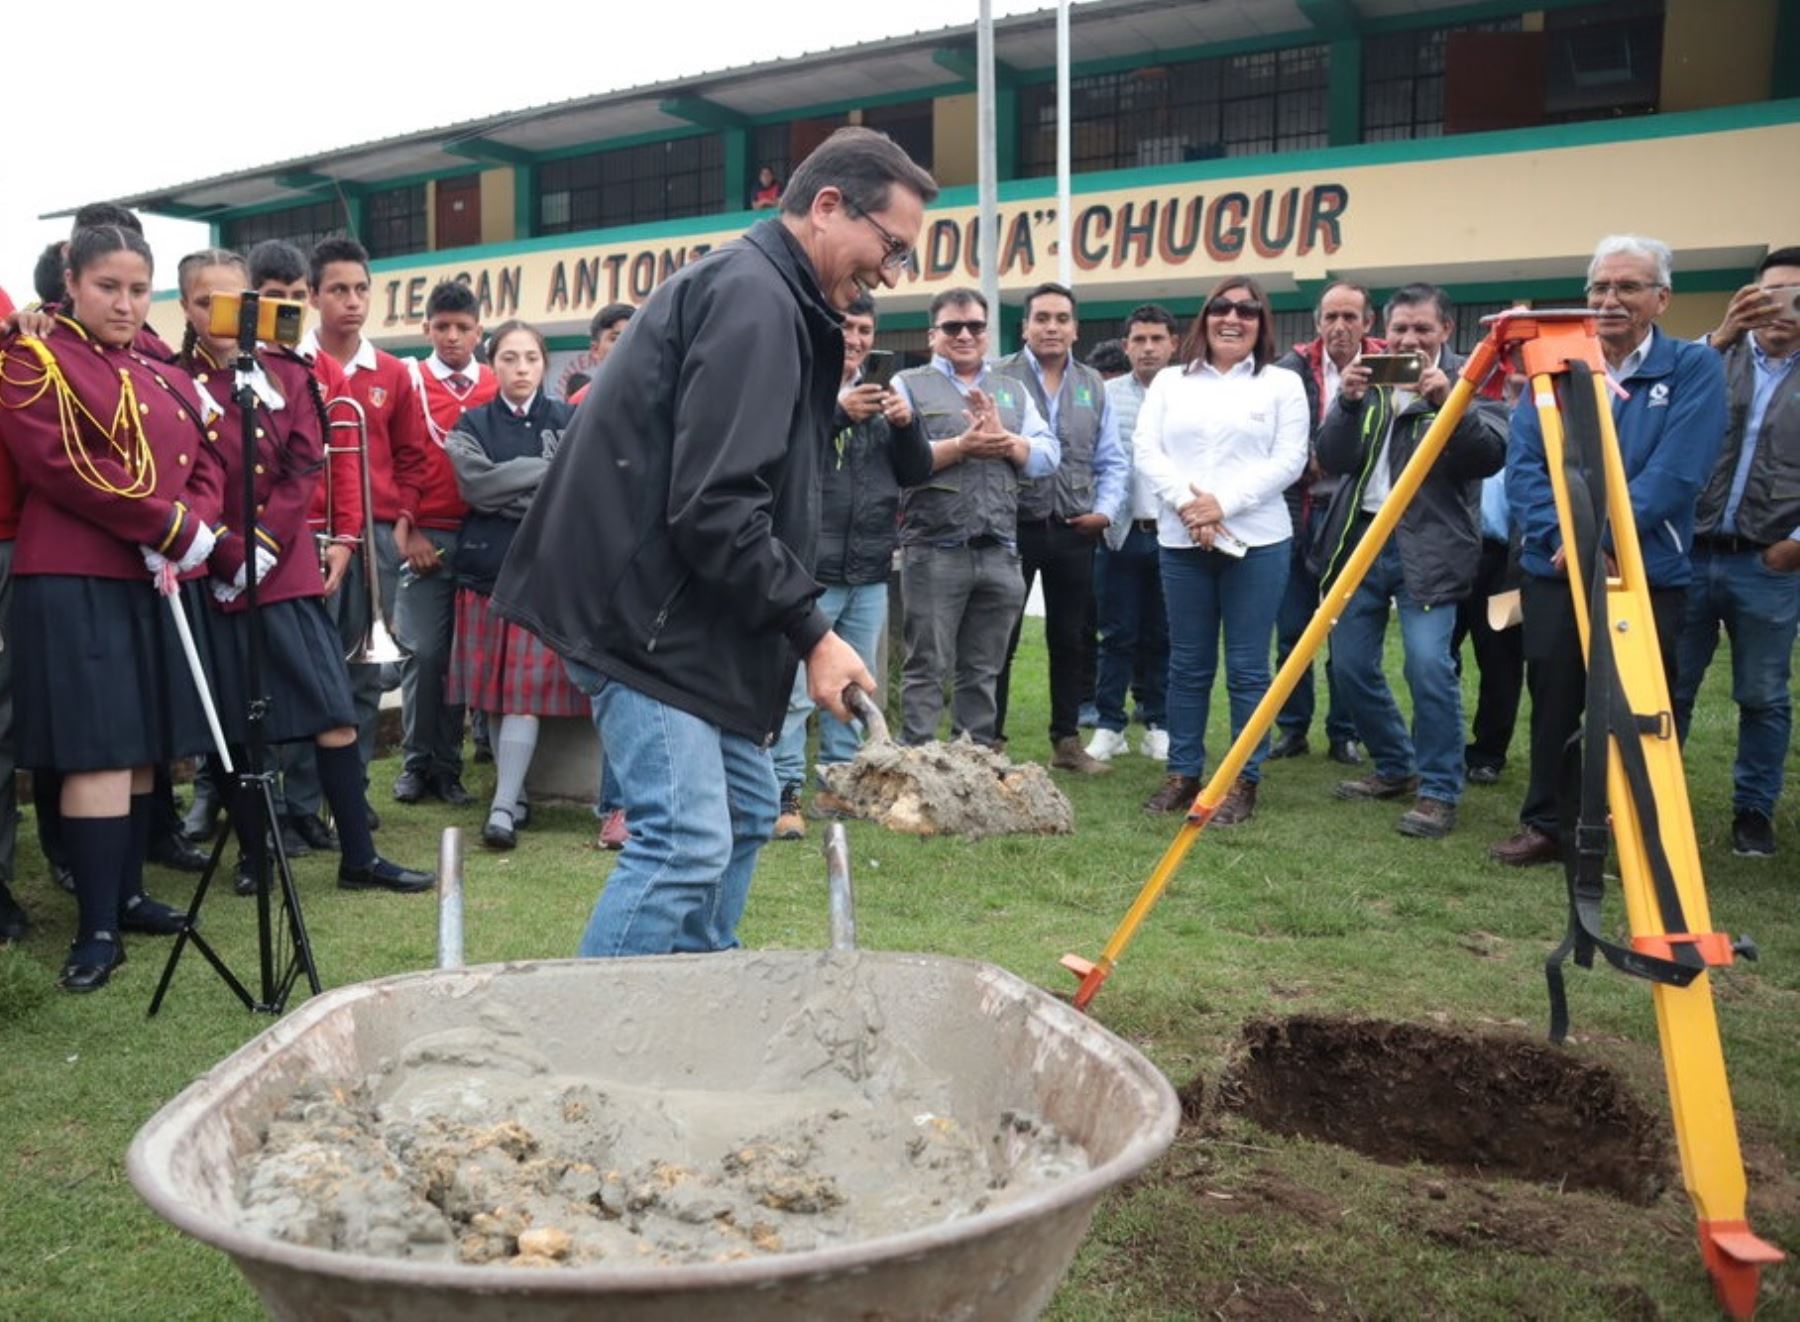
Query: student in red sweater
[(431, 516), (338, 286)]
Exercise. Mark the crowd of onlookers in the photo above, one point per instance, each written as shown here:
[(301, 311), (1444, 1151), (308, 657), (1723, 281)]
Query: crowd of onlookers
[(1183, 494)]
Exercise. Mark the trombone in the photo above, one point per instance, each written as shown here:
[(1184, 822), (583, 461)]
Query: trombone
[(376, 646)]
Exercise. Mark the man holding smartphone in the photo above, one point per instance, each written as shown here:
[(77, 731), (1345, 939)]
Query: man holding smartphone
[(1427, 566), (876, 450)]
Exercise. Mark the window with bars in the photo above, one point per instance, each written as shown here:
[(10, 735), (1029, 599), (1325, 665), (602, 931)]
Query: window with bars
[(1403, 81), (303, 226), (631, 185), (394, 221), (909, 124), (1604, 60), (1236, 105)]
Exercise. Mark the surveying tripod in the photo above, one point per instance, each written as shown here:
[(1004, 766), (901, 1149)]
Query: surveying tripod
[(1631, 766)]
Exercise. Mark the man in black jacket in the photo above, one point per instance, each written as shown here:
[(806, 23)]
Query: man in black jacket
[(1426, 568), (876, 450), (669, 556)]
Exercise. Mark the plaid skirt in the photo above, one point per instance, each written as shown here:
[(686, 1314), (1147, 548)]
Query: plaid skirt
[(495, 666)]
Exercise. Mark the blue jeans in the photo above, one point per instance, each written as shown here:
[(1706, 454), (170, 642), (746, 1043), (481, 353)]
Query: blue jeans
[(1134, 631), (1298, 606), (590, 682), (701, 802), (1760, 610), (1208, 592), (1435, 748), (858, 614)]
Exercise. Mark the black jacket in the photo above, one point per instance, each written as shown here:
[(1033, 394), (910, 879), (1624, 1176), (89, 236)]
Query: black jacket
[(499, 460), (671, 548), (859, 496), (1439, 535)]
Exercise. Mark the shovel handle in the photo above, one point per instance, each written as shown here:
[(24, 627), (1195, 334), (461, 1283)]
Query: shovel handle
[(863, 707)]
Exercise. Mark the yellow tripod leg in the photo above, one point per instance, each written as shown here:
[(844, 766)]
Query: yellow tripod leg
[(1712, 1165), (1093, 973)]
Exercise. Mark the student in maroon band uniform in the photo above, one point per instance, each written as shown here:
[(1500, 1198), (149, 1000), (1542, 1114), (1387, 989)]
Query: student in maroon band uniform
[(431, 516), (120, 482), (304, 673), (338, 285), (13, 923), (501, 452)]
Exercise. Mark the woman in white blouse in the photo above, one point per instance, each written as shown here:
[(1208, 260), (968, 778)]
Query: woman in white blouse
[(1222, 434)]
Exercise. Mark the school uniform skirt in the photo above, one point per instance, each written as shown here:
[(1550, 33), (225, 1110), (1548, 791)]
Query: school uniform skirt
[(100, 681), (496, 666), (303, 673)]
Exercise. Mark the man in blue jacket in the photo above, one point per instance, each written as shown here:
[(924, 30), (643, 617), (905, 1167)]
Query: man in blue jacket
[(1671, 423)]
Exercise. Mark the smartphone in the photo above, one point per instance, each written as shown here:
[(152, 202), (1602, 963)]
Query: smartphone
[(1229, 545), (879, 367), (1394, 369)]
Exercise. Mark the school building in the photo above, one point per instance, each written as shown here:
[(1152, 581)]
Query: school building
[(1484, 146)]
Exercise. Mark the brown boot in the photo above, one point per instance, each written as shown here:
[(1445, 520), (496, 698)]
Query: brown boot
[(1176, 795), (1071, 756), (1528, 847), (1239, 805), (791, 824), (1376, 786), (1427, 819)]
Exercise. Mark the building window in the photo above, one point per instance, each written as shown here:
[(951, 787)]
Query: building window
[(1403, 81), (303, 226), (1237, 105), (909, 124), (632, 185), (394, 221), (1603, 60)]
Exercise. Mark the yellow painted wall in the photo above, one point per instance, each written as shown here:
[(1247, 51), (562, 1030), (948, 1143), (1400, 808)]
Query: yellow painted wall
[(497, 220), (954, 160), (1692, 315), (1716, 52)]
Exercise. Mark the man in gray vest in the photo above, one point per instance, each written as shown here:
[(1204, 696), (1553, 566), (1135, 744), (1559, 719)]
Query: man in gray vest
[(1746, 553), (960, 584), (1058, 523)]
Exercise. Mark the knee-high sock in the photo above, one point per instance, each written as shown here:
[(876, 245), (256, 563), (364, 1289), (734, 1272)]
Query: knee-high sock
[(98, 849), (513, 748), (341, 777), (131, 879)]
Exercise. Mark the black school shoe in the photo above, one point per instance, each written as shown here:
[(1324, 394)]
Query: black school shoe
[(501, 831), (450, 789), (15, 924), (314, 832), (91, 962), (154, 918), (379, 874), (175, 851)]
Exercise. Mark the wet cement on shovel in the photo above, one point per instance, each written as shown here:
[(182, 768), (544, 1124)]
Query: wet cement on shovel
[(958, 788), (473, 1147)]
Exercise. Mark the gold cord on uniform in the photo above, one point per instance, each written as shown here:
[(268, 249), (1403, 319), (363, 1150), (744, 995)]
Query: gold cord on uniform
[(124, 433)]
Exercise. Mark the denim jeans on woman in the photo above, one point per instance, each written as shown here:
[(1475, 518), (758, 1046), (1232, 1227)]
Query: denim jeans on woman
[(1208, 593), (1434, 749), (858, 615), (701, 802)]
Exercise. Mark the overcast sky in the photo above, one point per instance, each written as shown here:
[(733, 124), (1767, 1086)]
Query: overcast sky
[(153, 100)]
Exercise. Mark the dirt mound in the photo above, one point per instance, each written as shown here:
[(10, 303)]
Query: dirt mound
[(959, 788), (1481, 1104)]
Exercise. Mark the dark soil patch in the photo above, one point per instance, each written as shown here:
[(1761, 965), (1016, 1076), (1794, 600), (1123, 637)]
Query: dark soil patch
[(1483, 1104)]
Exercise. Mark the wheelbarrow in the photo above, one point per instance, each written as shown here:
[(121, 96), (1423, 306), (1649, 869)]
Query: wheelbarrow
[(1001, 1044)]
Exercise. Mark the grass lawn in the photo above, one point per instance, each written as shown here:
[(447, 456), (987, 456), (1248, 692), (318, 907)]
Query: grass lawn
[(1315, 907)]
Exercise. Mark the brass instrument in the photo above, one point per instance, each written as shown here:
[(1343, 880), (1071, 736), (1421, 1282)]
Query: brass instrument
[(377, 645)]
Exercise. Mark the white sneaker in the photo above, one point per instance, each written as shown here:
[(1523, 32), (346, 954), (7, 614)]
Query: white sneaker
[(1106, 744), (1156, 744)]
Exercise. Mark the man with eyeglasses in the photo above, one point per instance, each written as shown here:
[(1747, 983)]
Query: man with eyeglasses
[(961, 586), (1669, 412), (669, 556), (1747, 545), (1062, 516)]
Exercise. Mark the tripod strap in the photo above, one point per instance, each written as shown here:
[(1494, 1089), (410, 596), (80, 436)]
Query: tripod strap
[(1608, 718)]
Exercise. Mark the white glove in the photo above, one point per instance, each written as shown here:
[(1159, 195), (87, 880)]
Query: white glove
[(198, 549), (265, 561), (226, 593), (153, 560)]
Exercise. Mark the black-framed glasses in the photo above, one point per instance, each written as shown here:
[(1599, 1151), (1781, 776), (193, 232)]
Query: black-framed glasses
[(1247, 308), (1623, 288), (899, 251), (954, 329)]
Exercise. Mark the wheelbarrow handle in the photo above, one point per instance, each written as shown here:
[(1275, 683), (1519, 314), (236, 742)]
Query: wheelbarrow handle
[(863, 707), (839, 891)]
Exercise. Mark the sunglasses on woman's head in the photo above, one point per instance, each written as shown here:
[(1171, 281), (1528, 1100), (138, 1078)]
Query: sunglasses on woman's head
[(1244, 307)]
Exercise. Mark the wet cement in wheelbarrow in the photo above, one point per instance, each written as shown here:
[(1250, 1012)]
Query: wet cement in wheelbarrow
[(1483, 1104), (472, 1148), (956, 788)]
